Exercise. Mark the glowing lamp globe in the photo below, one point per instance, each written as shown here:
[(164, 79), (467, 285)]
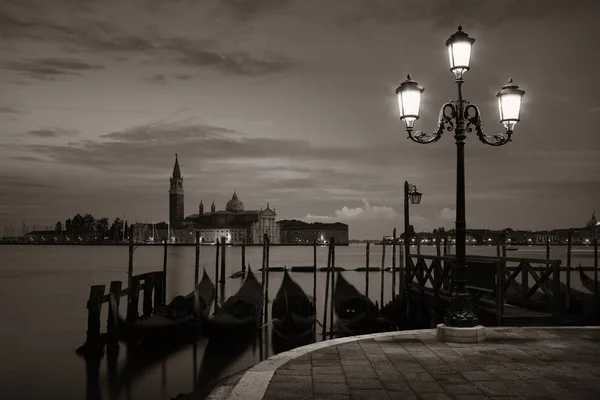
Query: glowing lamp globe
[(409, 101), (459, 51), (509, 105), (415, 196)]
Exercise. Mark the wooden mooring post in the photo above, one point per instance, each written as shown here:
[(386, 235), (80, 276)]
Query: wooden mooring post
[(367, 270), (216, 274), (327, 272), (197, 260), (268, 263), (569, 245), (331, 304), (263, 275), (315, 287), (596, 265), (112, 333), (243, 256), (547, 248), (164, 277), (393, 264), (93, 338), (382, 271), (223, 262)]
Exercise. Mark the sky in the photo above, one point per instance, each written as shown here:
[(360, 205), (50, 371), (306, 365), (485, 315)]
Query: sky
[(292, 102)]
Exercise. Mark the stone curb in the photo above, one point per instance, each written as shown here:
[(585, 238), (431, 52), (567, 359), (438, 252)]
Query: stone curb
[(253, 384)]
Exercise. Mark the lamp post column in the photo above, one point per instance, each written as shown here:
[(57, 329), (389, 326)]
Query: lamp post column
[(461, 312), (406, 239)]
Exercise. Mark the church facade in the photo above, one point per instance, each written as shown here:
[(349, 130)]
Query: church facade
[(236, 224)]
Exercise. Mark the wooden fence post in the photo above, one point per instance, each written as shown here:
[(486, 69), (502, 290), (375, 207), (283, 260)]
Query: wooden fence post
[(148, 289), (132, 299), (382, 271), (158, 282), (94, 306), (112, 333)]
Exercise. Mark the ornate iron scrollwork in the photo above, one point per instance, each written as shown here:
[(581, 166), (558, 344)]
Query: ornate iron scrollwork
[(473, 117), (446, 122)]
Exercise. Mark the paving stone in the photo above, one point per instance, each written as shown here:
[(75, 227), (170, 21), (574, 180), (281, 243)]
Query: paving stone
[(292, 378), (295, 372), (461, 389), (435, 396), (369, 395), (425, 387), (402, 395), (417, 377), (286, 394), (478, 376), (331, 378), (364, 383), (331, 396), (396, 385), (327, 370), (330, 388)]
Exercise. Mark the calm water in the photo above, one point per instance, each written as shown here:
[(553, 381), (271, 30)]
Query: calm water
[(43, 292)]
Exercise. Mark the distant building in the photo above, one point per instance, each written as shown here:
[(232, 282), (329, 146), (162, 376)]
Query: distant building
[(294, 231), (542, 237), (234, 223)]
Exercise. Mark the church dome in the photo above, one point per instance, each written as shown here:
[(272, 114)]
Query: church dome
[(234, 205)]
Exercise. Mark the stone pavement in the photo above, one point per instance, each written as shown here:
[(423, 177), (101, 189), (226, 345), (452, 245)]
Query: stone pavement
[(525, 363)]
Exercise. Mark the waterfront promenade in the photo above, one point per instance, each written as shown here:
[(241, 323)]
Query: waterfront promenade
[(524, 363)]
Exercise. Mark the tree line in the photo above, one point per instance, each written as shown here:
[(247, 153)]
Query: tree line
[(87, 224)]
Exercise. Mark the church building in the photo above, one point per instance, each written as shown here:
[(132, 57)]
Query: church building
[(234, 223)]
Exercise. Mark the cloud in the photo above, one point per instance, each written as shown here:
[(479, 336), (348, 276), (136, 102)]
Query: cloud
[(9, 110), (50, 68), (54, 132), (207, 54), (473, 13), (358, 214), (447, 214), (162, 79)]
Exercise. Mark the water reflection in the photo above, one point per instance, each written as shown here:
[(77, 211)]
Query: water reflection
[(127, 369)]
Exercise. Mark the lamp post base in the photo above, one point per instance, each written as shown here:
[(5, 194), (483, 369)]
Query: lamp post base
[(475, 334)]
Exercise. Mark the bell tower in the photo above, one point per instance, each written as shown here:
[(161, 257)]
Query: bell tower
[(176, 196)]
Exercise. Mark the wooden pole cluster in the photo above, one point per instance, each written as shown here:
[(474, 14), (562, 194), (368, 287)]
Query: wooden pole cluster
[(394, 264)]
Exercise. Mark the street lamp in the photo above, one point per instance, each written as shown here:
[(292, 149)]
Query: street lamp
[(414, 197), (460, 117)]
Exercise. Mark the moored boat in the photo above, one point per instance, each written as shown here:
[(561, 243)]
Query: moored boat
[(242, 310), (586, 281), (293, 312), (356, 314), (182, 319)]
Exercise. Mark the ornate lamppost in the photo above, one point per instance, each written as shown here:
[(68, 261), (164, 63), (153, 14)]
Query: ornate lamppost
[(411, 196), (462, 118)]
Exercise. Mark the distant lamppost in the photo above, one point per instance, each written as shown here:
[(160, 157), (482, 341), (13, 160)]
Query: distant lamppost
[(414, 197), (460, 117)]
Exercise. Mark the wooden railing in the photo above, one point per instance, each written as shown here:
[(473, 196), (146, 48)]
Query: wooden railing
[(151, 283), (491, 275)]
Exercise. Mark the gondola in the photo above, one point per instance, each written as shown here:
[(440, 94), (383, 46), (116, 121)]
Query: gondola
[(242, 310), (293, 313), (356, 314), (181, 320), (586, 281)]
